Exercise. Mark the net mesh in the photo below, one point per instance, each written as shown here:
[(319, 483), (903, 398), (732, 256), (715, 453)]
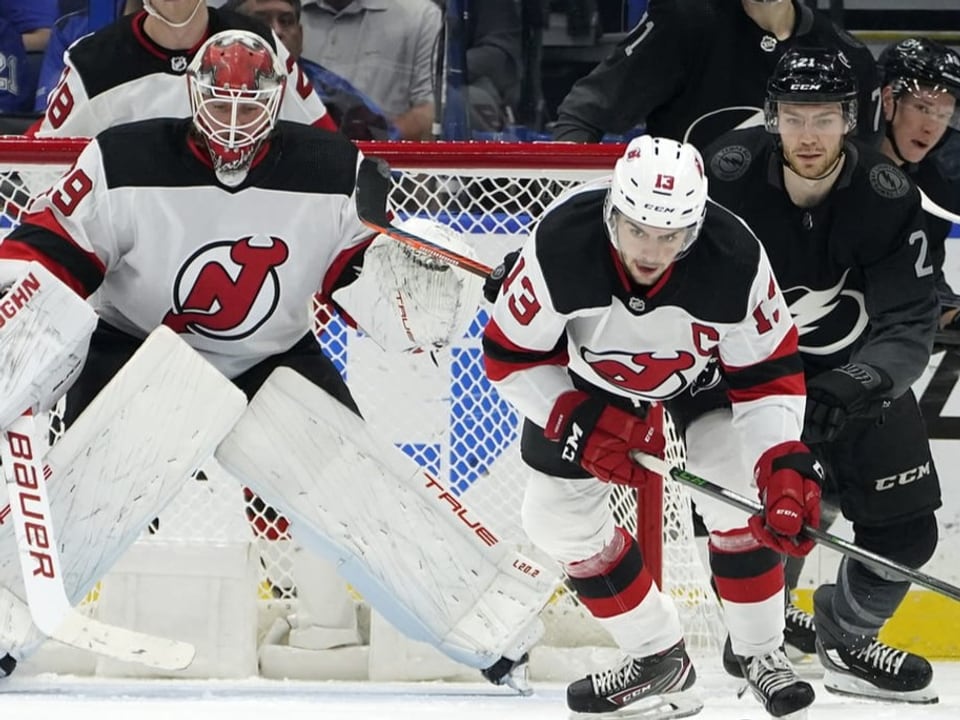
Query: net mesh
[(437, 407)]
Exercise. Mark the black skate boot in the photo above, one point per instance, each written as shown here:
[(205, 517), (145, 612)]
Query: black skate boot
[(862, 666), (8, 664), (799, 634), (651, 686), (773, 681)]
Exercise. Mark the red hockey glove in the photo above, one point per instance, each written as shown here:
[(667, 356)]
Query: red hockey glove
[(788, 479), (601, 437)]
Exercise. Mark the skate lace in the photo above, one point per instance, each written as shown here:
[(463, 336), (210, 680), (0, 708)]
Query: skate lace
[(609, 681), (883, 657), (771, 672), (799, 617)]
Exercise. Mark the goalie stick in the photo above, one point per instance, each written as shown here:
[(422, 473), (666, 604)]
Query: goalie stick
[(373, 187), (39, 556), (663, 468)]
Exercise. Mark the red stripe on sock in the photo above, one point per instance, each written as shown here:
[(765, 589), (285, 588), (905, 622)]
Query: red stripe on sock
[(622, 602)]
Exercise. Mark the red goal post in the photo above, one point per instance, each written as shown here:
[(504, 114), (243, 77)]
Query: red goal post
[(446, 415)]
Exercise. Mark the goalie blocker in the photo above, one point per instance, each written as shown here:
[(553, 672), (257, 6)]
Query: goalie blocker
[(418, 556)]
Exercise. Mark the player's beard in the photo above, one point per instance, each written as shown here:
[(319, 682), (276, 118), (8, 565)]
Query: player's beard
[(813, 169)]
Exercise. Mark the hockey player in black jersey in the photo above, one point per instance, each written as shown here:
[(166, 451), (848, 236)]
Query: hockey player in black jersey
[(694, 69), (635, 289), (849, 244), (921, 106)]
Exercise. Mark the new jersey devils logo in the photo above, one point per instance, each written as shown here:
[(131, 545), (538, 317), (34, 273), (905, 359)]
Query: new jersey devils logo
[(226, 290), (654, 375)]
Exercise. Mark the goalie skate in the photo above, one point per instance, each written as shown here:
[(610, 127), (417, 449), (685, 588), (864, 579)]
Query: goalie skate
[(648, 687)]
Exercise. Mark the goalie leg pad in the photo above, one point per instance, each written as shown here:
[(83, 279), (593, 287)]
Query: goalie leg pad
[(45, 330), (122, 461), (420, 557)]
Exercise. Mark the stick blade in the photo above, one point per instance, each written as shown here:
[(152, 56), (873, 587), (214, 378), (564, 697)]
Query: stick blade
[(118, 643)]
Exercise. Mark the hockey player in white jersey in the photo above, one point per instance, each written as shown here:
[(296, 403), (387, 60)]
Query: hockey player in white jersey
[(633, 290), (134, 69), (221, 227)]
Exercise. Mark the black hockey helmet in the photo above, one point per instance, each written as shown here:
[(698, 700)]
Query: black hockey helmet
[(920, 63), (812, 75)]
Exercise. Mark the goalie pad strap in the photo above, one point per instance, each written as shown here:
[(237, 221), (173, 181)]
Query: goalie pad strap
[(417, 554)]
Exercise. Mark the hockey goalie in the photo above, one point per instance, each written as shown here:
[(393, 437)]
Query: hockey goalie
[(221, 227)]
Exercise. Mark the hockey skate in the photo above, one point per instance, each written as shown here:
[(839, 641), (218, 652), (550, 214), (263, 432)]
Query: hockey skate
[(648, 687), (512, 673), (773, 681), (862, 666), (799, 635)]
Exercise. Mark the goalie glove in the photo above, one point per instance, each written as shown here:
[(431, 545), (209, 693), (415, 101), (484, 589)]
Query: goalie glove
[(405, 300), (601, 438), (788, 479)]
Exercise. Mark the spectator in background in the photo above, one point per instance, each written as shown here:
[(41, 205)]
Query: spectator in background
[(492, 38), (67, 30), (357, 116), (32, 18), (13, 70), (386, 48)]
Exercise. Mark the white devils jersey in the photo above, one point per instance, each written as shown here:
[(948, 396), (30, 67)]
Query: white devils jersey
[(119, 75), (568, 307), (141, 220)]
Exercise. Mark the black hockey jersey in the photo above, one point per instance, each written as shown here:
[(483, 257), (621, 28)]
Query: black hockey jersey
[(118, 75), (946, 193), (142, 220), (694, 69), (856, 269), (568, 307)]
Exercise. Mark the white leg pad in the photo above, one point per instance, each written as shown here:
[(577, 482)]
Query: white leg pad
[(412, 550), (124, 459)]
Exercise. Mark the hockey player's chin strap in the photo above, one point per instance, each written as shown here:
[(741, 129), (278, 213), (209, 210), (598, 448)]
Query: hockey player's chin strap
[(152, 11)]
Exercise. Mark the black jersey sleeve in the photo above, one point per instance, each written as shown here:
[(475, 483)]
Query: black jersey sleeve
[(645, 69), (898, 275)]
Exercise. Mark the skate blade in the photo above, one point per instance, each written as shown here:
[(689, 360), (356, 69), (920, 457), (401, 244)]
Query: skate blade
[(842, 684), (656, 707)]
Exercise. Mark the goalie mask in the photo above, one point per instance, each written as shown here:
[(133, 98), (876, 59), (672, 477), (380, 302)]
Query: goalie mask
[(236, 84), (658, 182)]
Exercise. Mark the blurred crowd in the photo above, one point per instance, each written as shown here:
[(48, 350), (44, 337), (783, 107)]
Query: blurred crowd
[(385, 69)]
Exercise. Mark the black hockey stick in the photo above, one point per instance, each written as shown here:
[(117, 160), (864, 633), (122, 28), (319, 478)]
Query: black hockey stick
[(833, 542), (373, 188)]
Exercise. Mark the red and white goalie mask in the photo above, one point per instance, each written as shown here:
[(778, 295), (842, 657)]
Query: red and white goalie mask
[(236, 84)]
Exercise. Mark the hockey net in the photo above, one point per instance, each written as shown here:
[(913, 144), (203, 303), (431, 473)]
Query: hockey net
[(438, 408)]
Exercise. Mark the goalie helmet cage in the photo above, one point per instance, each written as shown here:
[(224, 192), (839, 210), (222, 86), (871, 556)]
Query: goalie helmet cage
[(440, 410)]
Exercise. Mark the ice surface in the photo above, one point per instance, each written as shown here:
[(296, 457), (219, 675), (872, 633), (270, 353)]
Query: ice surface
[(55, 698)]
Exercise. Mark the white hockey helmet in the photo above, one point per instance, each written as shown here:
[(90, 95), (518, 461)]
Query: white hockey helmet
[(658, 182), (236, 83)]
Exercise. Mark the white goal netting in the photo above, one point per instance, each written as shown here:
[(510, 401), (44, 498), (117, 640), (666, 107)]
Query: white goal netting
[(439, 409)]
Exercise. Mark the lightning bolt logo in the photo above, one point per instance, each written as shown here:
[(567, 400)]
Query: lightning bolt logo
[(810, 311)]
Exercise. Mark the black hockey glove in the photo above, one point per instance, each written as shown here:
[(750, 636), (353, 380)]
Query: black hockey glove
[(493, 281), (833, 397)]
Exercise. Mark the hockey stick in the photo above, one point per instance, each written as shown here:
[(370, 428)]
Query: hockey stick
[(25, 477), (833, 542), (931, 207), (373, 187)]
